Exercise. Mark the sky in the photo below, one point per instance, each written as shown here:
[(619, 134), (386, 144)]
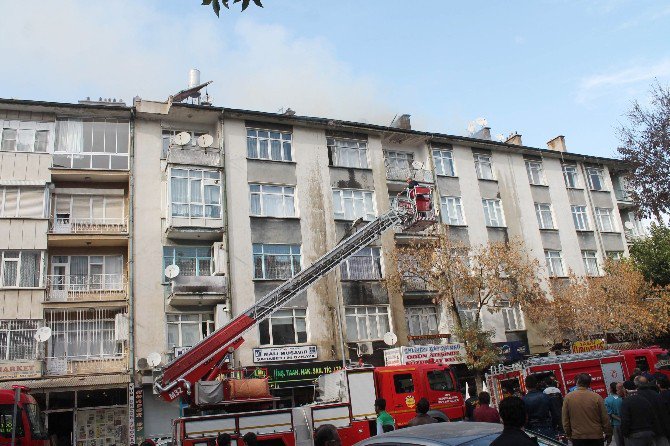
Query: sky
[(540, 68)]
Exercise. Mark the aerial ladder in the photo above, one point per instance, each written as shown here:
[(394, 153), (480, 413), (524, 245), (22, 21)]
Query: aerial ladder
[(411, 210)]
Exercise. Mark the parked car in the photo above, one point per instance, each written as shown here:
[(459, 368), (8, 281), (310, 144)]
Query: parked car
[(447, 434)]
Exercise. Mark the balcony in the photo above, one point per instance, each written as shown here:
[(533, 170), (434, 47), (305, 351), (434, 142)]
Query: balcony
[(623, 197), (198, 290), (637, 233), (194, 156), (394, 173), (70, 232), (85, 366), (80, 288), (415, 285)]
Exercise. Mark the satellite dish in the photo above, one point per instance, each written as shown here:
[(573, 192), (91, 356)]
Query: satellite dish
[(183, 138), (42, 334), (171, 271), (205, 141), (390, 338), (481, 121), (417, 165), (154, 359), (629, 225), (471, 127)]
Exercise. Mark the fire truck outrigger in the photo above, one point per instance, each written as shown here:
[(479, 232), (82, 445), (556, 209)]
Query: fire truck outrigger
[(347, 397)]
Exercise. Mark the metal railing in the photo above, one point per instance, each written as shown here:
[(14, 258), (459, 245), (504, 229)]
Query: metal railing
[(623, 195), (76, 287), (89, 225), (402, 173)]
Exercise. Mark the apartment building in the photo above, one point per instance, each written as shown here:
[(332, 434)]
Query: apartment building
[(241, 204), (64, 237)]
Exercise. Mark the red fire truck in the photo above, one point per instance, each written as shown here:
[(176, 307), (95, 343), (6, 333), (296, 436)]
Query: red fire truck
[(21, 422), (203, 376)]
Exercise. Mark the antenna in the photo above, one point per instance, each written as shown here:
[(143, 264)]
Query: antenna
[(183, 138), (171, 271), (205, 141), (42, 334), (471, 127), (154, 359)]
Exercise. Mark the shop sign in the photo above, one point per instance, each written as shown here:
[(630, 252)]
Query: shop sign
[(512, 351), (131, 414), (290, 353), (421, 354), (20, 369), (296, 375), (588, 346)]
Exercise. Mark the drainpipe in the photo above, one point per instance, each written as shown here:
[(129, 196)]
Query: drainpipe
[(131, 251), (224, 209)]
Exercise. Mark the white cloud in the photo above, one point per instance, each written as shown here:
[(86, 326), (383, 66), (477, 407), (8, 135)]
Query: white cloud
[(69, 49)]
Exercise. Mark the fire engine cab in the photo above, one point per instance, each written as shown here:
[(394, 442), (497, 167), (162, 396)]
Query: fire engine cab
[(21, 422)]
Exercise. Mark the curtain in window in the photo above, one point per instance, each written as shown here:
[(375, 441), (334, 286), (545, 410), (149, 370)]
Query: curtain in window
[(81, 207), (11, 199), (70, 136), (32, 203), (114, 208), (10, 268), (78, 272), (180, 195), (273, 202), (113, 272), (30, 269), (25, 140)]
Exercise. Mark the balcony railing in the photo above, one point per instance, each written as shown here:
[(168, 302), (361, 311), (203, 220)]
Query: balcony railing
[(83, 366), (89, 225), (635, 234), (65, 288), (402, 173), (623, 195)]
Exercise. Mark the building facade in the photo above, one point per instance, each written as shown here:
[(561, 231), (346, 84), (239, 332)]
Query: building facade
[(240, 205)]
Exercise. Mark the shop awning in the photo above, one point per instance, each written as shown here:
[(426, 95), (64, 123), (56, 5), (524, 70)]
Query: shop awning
[(70, 381)]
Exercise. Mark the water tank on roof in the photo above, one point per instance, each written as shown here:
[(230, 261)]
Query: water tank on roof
[(193, 77)]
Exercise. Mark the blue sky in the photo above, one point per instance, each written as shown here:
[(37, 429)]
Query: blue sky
[(541, 68)]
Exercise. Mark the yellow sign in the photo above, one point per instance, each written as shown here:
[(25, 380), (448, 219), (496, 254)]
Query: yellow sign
[(410, 401), (588, 346)]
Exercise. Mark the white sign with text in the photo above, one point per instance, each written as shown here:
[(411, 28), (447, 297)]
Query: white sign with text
[(290, 353)]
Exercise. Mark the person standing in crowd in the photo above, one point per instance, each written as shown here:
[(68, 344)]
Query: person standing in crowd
[(250, 439), (541, 418), (385, 422), (223, 440), (556, 398), (664, 390), (637, 426), (422, 417), (661, 425), (485, 413), (613, 406), (326, 435), (585, 419), (471, 403), (513, 414)]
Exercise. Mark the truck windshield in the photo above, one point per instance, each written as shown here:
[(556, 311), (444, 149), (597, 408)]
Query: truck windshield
[(440, 380), (6, 411), (36, 419)]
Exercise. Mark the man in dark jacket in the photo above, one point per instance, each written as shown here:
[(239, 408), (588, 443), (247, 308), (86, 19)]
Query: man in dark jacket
[(541, 417), (513, 413), (422, 417), (664, 387), (637, 426), (661, 418)]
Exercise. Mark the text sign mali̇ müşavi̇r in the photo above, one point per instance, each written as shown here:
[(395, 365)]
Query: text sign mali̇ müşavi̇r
[(290, 353), (421, 354)]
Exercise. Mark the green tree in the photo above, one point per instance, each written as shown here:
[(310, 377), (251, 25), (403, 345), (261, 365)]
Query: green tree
[(216, 4), (651, 255)]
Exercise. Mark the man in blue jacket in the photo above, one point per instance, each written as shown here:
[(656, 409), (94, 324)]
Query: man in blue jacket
[(541, 416)]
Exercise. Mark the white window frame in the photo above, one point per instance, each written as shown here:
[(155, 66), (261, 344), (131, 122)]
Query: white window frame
[(257, 136), (590, 259), (296, 314), (205, 181), (494, 216), (371, 315), (17, 211), (205, 321), (545, 215), (65, 216), (614, 255), (67, 281), (426, 315), (368, 259), (168, 135), (261, 191), (6, 258), (580, 218), (605, 216), (294, 253), (354, 148), (535, 171), (599, 173), (452, 211), (171, 253), (554, 261), (513, 318), (364, 198), (571, 176), (484, 160), (444, 162), (397, 159), (27, 131), (100, 328), (469, 315), (14, 331)]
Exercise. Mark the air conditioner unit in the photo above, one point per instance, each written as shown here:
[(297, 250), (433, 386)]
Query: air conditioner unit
[(142, 364), (364, 348), (219, 259)]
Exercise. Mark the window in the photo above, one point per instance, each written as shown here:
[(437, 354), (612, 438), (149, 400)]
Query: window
[(444, 162), (493, 213), (192, 261), (17, 339), (440, 380), (399, 160), (421, 320), (75, 213), (195, 193), (452, 211), (86, 273), (272, 201), (7, 420), (168, 138), (84, 333), (187, 329), (269, 145), (570, 176), (535, 172), (469, 315), (596, 180), (348, 152), (276, 261), (614, 255), (350, 204), (590, 263), (554, 263), (21, 269), (544, 215), (92, 143), (366, 323), (580, 218), (403, 383), (24, 136), (512, 318), (22, 202), (483, 166), (286, 326), (364, 265), (604, 220)]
